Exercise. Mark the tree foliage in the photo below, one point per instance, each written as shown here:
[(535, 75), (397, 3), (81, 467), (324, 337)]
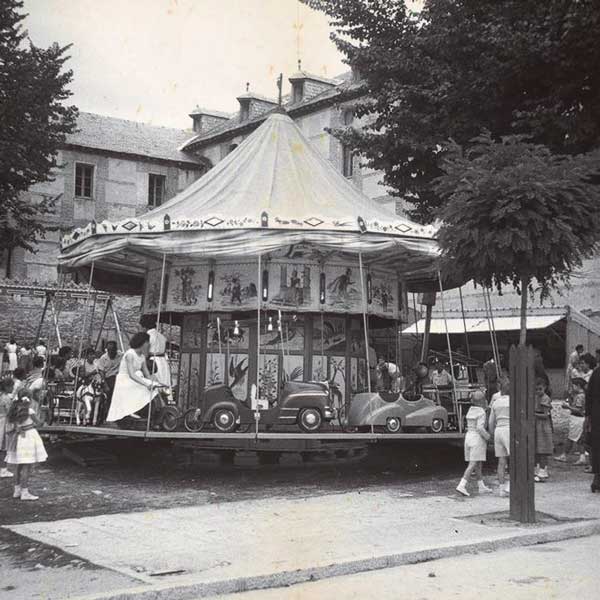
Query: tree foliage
[(463, 66), (515, 213), (34, 122)]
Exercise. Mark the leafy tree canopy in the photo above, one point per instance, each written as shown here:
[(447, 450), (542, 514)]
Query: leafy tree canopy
[(514, 212), (34, 122), (463, 66)]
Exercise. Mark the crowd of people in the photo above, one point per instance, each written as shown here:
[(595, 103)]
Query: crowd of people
[(491, 421), (131, 381)]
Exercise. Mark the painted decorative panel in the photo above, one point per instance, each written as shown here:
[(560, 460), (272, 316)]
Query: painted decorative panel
[(235, 286), (329, 334), (268, 377), (192, 332), (384, 295), (187, 288)]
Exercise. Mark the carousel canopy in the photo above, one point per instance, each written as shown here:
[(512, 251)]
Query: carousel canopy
[(272, 192)]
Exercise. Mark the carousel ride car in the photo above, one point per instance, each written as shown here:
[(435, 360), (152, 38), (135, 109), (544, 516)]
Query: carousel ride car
[(307, 405), (395, 413)]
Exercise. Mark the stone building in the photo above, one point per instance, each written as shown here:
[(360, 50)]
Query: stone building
[(111, 169), (316, 104)]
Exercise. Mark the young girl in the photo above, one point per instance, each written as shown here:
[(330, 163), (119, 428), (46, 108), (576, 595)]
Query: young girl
[(475, 444), (25, 446), (544, 446), (6, 398), (576, 406)]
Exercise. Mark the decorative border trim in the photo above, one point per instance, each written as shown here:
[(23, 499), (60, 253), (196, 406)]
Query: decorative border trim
[(217, 222)]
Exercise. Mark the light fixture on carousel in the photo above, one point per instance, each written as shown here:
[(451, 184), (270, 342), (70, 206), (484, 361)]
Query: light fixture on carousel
[(211, 286), (265, 285)]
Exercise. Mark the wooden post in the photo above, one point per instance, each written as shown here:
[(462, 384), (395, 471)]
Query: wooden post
[(38, 333), (522, 434)]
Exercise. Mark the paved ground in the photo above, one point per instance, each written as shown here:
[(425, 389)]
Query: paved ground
[(120, 526), (228, 546), (562, 571)]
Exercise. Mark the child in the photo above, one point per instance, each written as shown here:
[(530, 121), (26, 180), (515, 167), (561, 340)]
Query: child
[(475, 444), (499, 427), (25, 446), (543, 431), (577, 408), (6, 398)]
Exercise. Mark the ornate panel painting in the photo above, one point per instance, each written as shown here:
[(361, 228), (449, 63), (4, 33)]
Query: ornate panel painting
[(329, 334), (343, 293), (192, 332), (187, 287), (235, 286)]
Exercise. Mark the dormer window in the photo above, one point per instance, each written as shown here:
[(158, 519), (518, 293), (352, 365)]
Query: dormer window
[(297, 91)]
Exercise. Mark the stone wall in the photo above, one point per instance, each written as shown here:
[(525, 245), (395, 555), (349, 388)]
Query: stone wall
[(20, 316)]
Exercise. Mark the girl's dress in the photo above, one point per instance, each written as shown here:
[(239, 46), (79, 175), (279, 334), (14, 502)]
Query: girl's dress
[(475, 443), (5, 402), (543, 425), (129, 396), (25, 446), (11, 350)]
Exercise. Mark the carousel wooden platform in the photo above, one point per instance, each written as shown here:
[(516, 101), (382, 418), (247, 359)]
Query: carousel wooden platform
[(267, 441)]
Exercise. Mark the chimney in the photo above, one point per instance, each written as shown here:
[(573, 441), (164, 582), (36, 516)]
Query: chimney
[(204, 119)]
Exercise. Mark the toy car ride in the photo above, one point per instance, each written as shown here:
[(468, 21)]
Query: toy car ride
[(395, 413), (307, 405)]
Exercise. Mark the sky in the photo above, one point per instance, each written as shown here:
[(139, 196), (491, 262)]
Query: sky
[(155, 60)]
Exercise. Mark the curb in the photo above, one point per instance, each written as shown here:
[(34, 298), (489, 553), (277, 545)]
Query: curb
[(286, 578)]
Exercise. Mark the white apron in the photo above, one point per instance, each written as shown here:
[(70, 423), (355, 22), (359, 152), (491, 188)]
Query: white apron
[(129, 395)]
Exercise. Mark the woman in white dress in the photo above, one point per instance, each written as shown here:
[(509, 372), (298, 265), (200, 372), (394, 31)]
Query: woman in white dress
[(11, 351), (134, 387), (157, 352)]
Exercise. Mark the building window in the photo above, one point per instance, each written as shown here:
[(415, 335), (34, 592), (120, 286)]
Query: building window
[(297, 91), (347, 161), (245, 111), (156, 189), (84, 180)]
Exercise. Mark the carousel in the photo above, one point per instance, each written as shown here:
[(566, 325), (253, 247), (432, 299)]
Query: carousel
[(276, 268)]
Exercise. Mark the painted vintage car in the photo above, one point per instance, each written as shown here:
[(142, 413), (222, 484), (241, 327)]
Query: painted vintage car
[(395, 413), (306, 405)]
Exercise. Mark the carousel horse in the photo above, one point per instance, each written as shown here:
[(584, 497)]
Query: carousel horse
[(91, 401)]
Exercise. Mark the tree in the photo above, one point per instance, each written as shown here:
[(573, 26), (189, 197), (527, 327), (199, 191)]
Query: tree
[(34, 122), (514, 213), (459, 67)]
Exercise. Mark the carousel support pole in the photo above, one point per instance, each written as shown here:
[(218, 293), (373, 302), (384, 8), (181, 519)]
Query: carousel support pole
[(259, 306), (160, 300), (464, 320), (399, 362), (80, 349), (55, 322), (102, 323), (117, 324), (426, 333), (365, 319), (490, 328), (454, 393), (365, 327), (499, 366), (170, 353), (38, 333), (93, 313)]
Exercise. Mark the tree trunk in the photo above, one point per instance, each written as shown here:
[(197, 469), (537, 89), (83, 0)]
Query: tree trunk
[(523, 334)]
